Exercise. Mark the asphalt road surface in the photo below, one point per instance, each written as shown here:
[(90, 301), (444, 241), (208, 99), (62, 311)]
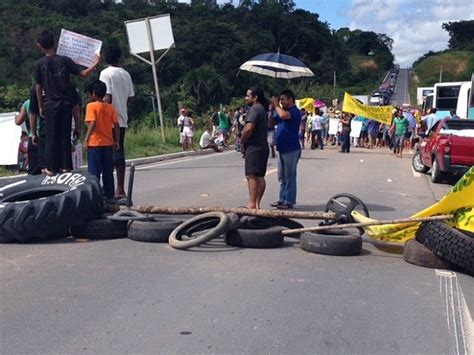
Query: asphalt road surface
[(401, 94), (121, 296)]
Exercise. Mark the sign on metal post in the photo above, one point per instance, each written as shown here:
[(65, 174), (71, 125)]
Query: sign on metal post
[(149, 35)]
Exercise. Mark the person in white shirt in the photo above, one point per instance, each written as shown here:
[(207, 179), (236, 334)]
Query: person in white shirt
[(119, 93), (207, 141), (186, 129), (316, 131), (309, 124)]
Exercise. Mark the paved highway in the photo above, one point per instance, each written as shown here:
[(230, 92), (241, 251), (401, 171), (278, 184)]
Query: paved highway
[(401, 95), (121, 296)]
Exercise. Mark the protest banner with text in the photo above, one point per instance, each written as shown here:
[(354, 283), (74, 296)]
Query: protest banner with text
[(81, 49), (381, 114)]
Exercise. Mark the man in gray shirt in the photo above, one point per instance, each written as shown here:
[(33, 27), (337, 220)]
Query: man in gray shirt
[(254, 145)]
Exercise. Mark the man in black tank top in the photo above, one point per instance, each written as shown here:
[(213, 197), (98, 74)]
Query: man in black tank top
[(255, 146)]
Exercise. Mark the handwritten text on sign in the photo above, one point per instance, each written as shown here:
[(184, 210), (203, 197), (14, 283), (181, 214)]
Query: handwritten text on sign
[(81, 49)]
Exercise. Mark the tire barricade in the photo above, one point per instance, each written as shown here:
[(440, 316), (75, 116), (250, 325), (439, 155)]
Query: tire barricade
[(41, 208)]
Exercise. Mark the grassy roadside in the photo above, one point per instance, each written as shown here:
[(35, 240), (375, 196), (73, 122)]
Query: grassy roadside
[(140, 142), (457, 66), (7, 172), (412, 87)]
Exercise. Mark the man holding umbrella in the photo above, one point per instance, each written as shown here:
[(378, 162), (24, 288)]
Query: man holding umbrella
[(288, 120)]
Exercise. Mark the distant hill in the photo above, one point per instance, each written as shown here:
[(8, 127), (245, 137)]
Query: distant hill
[(457, 66)]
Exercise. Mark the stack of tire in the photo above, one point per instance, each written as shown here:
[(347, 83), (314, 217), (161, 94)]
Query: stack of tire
[(41, 207), (240, 231), (438, 245)]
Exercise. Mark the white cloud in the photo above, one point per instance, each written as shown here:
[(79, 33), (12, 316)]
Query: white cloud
[(414, 25)]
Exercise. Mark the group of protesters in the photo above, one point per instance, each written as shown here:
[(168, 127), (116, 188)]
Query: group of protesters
[(401, 133), (264, 125), (52, 116)]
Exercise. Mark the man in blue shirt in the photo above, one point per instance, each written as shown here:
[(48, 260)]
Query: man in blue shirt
[(288, 120)]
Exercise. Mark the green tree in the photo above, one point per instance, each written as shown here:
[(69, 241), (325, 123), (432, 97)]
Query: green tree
[(461, 34)]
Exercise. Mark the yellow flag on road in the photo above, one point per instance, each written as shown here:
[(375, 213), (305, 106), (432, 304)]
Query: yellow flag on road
[(307, 104), (381, 114), (459, 202)]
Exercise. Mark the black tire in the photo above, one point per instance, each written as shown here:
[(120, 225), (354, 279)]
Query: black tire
[(255, 238), (101, 228), (340, 245), (448, 243), (436, 174), (156, 231), (417, 163), (336, 231), (417, 254), (39, 206), (221, 226), (255, 222), (130, 215)]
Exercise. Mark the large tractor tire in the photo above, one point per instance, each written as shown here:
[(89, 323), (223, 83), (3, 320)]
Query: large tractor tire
[(39, 206)]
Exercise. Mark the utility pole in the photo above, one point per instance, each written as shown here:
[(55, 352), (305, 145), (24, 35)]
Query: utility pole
[(441, 74)]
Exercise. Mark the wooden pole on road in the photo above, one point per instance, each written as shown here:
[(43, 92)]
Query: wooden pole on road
[(374, 223), (241, 211)]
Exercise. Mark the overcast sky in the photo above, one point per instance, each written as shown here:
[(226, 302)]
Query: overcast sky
[(414, 25)]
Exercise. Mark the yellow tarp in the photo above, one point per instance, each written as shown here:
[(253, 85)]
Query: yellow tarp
[(458, 202), (307, 104), (381, 114)]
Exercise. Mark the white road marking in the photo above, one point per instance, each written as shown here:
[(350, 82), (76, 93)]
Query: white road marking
[(460, 323), (415, 174), (12, 184), (179, 161)]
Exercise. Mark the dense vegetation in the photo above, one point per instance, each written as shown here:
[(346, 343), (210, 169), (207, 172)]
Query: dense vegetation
[(212, 41), (457, 61)]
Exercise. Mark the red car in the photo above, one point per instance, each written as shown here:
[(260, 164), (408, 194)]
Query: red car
[(448, 148)]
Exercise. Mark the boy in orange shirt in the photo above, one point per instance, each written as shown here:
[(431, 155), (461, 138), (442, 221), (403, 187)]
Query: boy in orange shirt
[(100, 140)]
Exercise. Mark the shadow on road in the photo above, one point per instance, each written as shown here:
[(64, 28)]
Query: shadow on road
[(451, 179)]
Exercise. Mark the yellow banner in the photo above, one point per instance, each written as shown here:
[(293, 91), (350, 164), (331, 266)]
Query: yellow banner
[(459, 202), (307, 104), (381, 114)]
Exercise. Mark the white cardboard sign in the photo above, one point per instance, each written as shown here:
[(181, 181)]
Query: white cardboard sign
[(333, 126), (10, 135), (356, 127), (81, 49), (161, 31)]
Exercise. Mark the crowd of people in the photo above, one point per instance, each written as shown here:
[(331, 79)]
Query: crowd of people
[(52, 116), (264, 128)]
